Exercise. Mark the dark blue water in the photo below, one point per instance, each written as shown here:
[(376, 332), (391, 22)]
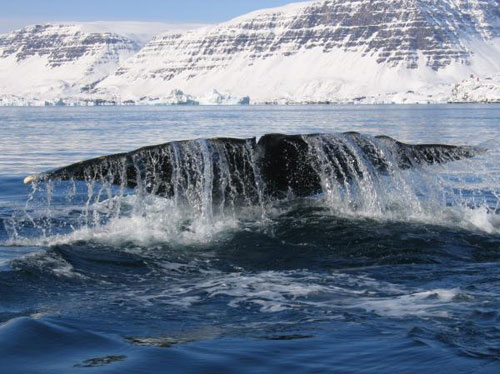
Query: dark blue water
[(406, 280)]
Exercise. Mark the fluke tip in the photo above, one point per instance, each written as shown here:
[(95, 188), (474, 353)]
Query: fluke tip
[(30, 179)]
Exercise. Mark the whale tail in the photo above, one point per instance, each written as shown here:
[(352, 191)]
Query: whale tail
[(410, 155), (242, 170)]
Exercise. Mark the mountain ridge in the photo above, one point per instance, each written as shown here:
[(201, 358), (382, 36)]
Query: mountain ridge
[(56, 60), (366, 51)]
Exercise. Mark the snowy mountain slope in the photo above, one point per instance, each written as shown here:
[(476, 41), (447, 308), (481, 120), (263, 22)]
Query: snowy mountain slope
[(368, 51), (330, 50), (141, 32), (475, 89), (55, 61)]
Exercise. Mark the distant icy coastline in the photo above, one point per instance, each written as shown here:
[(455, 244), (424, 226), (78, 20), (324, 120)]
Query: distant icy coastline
[(472, 90), (175, 97)]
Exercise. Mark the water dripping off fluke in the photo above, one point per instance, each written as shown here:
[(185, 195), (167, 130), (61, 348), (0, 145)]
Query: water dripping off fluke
[(194, 190)]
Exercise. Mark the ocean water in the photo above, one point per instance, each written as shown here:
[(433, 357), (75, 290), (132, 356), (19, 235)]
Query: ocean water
[(400, 277)]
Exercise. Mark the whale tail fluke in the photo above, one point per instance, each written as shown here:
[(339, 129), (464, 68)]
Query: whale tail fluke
[(411, 155), (238, 170)]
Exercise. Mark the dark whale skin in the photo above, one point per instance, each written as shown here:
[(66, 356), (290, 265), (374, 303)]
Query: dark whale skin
[(282, 163)]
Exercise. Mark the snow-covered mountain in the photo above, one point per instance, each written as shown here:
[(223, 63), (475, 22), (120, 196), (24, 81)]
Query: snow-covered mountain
[(324, 51), (315, 51), (54, 62)]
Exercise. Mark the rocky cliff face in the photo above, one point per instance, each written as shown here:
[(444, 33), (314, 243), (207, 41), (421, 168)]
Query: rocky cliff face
[(62, 44), (396, 31), (326, 50)]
